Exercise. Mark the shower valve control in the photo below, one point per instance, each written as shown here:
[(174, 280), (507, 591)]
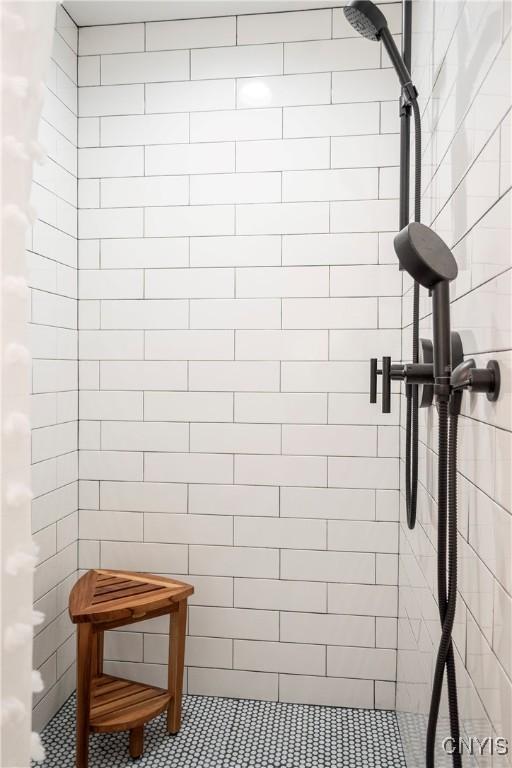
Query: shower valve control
[(386, 372), (420, 374), (411, 373)]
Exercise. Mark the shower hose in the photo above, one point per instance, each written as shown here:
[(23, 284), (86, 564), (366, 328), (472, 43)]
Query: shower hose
[(447, 517), (411, 391), (447, 504)]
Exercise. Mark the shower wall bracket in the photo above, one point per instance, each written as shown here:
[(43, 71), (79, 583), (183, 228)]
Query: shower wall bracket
[(408, 95), (467, 376)]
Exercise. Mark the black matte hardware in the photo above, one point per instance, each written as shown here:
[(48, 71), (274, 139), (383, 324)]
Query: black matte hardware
[(494, 391), (405, 121), (426, 357), (431, 263), (457, 350), (397, 372), (442, 338), (386, 385), (424, 255), (373, 380), (428, 260), (409, 92), (412, 373), (487, 380), (366, 18), (419, 374), (414, 400), (371, 23), (461, 376), (388, 372), (416, 373)]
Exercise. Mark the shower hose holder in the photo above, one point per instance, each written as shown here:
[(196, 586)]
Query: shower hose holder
[(467, 376)]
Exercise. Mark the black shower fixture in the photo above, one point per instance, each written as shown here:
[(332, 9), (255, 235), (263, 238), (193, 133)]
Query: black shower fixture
[(430, 262), (439, 370), (371, 23), (427, 258), (366, 18), (412, 373), (420, 374), (467, 376)]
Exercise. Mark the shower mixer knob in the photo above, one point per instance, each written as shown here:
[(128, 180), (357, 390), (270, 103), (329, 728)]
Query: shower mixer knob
[(388, 371), (373, 379), (420, 374), (386, 385)]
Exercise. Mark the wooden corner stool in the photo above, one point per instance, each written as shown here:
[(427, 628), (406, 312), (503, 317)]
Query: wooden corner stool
[(103, 600)]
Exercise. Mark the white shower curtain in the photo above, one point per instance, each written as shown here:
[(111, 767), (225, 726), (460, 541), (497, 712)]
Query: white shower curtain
[(27, 32)]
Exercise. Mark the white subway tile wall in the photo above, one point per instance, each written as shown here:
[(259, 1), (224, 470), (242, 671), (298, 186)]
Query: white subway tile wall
[(466, 193), (230, 210), (52, 270)]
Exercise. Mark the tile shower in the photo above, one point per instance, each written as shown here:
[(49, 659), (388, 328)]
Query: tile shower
[(201, 341)]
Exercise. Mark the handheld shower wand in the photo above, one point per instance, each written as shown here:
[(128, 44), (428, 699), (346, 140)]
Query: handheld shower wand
[(371, 23), (431, 263), (428, 260)]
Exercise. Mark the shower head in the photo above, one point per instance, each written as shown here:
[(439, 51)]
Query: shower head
[(428, 260), (423, 254), (371, 23), (366, 18)]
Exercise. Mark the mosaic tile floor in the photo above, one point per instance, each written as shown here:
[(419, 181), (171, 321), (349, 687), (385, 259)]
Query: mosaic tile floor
[(237, 733)]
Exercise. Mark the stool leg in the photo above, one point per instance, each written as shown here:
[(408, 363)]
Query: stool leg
[(137, 741), (97, 658), (177, 629), (83, 692)]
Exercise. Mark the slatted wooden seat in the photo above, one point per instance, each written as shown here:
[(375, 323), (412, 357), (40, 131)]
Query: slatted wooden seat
[(105, 599)]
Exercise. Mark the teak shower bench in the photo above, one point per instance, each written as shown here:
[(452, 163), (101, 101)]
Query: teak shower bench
[(106, 599)]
